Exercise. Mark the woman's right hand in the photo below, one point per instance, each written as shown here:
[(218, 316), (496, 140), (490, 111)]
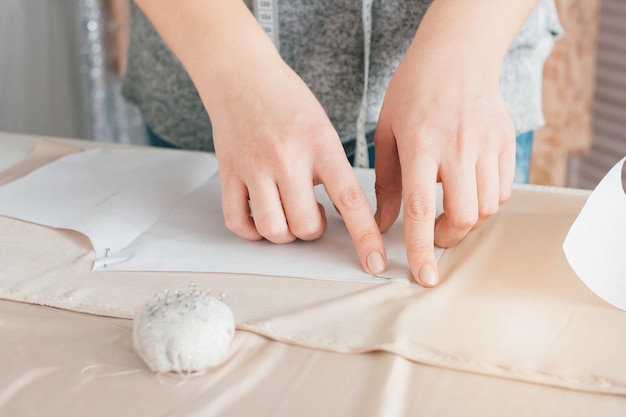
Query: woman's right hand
[(273, 140)]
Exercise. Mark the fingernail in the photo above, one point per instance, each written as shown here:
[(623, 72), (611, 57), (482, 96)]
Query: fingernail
[(428, 276), (375, 263)]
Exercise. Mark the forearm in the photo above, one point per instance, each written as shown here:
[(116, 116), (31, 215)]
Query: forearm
[(214, 39), (475, 32)]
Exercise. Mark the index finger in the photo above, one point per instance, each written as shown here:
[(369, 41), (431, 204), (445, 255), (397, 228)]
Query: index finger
[(419, 178), (348, 197)]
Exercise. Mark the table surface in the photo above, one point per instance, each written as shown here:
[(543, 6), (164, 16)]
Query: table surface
[(56, 362)]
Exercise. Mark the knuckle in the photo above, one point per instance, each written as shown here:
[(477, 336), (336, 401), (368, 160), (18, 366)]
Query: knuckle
[(488, 209), (447, 241), (286, 238), (460, 141), (505, 196), (368, 239), (271, 230), (419, 140), (307, 230), (446, 237), (352, 198), (328, 144), (418, 209), (247, 160), (463, 220), (419, 250), (280, 158), (234, 223), (274, 150), (325, 132)]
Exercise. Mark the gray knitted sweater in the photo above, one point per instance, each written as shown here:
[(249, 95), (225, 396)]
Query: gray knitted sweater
[(322, 40)]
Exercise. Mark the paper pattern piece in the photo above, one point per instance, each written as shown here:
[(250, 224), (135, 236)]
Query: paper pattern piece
[(596, 243), (160, 210)]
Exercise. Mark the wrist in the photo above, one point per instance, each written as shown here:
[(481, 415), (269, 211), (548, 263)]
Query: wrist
[(219, 42), (472, 35)]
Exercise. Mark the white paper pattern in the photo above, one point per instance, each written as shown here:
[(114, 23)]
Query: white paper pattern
[(160, 210)]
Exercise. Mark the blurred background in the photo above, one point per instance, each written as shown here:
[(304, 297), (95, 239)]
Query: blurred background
[(62, 63)]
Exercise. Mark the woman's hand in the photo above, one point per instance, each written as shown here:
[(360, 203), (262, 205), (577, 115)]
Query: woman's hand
[(444, 119), (273, 140)]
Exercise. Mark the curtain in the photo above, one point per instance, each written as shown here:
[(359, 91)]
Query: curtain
[(61, 69), (38, 72), (103, 28)]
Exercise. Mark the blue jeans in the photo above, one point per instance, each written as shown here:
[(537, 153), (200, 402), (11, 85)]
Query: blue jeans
[(523, 152), (155, 140), (524, 146)]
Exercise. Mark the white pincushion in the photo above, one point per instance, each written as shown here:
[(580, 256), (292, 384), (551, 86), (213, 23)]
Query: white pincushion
[(184, 333)]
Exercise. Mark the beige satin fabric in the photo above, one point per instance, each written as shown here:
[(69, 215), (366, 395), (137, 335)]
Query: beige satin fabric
[(61, 363), (45, 152), (509, 305)]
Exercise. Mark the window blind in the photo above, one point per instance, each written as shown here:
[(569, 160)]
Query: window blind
[(609, 107)]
